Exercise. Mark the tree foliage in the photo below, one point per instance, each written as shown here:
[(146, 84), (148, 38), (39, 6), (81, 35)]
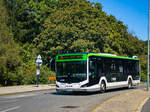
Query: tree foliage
[(80, 26), (27, 17), (9, 50), (50, 27)]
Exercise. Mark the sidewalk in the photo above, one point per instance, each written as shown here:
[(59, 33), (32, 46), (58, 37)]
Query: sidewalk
[(24, 88), (130, 101)]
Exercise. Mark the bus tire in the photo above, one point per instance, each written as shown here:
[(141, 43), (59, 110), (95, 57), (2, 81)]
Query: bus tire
[(129, 84), (102, 87)]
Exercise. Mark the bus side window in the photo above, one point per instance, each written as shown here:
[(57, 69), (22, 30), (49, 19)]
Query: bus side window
[(107, 68), (121, 69)]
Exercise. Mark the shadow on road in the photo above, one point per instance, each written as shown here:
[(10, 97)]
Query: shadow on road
[(75, 93)]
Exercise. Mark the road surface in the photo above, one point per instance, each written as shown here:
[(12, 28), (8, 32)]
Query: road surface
[(146, 107), (51, 101)]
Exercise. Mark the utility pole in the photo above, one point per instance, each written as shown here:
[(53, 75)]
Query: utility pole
[(148, 46)]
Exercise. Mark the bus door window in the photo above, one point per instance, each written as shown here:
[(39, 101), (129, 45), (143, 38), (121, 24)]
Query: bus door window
[(135, 70), (93, 71), (121, 69), (91, 68), (102, 71), (113, 68), (107, 70), (122, 77), (125, 69), (114, 74)]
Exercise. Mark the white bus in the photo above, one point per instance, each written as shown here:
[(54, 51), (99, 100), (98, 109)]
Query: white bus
[(95, 72)]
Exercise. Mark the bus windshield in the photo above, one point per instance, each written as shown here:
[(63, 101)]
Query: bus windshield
[(71, 72)]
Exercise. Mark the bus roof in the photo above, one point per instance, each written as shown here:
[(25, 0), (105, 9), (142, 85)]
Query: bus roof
[(84, 56)]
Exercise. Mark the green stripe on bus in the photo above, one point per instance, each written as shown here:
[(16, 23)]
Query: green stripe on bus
[(86, 55)]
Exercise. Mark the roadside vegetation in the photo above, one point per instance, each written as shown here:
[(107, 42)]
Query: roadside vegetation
[(50, 27)]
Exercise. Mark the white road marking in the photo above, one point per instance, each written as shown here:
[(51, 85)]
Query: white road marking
[(19, 96), (13, 108), (8, 100)]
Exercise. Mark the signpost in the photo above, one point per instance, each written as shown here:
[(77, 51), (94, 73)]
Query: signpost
[(39, 63)]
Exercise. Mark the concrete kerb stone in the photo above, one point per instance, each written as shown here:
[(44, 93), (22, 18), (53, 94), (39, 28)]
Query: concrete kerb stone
[(139, 108), (32, 88), (25, 92), (130, 101)]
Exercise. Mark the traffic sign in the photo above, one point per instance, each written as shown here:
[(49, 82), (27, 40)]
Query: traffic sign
[(38, 72), (39, 60)]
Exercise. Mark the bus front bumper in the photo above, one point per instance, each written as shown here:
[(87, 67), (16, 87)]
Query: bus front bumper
[(86, 89)]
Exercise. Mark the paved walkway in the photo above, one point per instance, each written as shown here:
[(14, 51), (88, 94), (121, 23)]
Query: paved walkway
[(24, 88), (130, 101)]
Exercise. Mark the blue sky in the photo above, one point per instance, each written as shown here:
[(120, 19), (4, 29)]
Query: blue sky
[(133, 13)]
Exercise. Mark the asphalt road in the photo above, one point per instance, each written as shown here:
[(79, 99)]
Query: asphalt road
[(146, 107), (51, 101)]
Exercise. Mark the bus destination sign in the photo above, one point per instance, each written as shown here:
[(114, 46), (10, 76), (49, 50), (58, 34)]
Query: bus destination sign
[(71, 57)]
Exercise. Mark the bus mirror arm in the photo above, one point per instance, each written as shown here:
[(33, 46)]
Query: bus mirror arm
[(52, 64)]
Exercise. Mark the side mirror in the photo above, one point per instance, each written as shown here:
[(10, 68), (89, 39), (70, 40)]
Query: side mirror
[(52, 64)]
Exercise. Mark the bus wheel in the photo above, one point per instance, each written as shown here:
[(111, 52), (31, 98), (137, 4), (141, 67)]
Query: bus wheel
[(129, 84), (102, 87)]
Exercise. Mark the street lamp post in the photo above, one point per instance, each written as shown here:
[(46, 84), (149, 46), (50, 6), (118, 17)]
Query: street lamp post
[(148, 46)]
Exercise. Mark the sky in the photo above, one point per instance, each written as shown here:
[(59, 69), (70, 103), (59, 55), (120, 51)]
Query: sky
[(133, 13)]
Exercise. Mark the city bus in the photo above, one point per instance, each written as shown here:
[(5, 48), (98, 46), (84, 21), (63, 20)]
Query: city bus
[(96, 71)]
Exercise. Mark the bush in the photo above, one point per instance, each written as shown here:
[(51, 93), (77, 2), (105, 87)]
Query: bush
[(27, 74)]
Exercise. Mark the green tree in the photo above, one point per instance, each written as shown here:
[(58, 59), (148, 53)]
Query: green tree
[(27, 17), (9, 50), (50, 27), (80, 26)]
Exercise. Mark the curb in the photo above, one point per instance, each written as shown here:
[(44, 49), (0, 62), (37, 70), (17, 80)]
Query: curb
[(26, 91), (139, 108)]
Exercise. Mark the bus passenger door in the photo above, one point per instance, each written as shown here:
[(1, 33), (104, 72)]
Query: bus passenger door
[(114, 73), (93, 72), (110, 70)]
